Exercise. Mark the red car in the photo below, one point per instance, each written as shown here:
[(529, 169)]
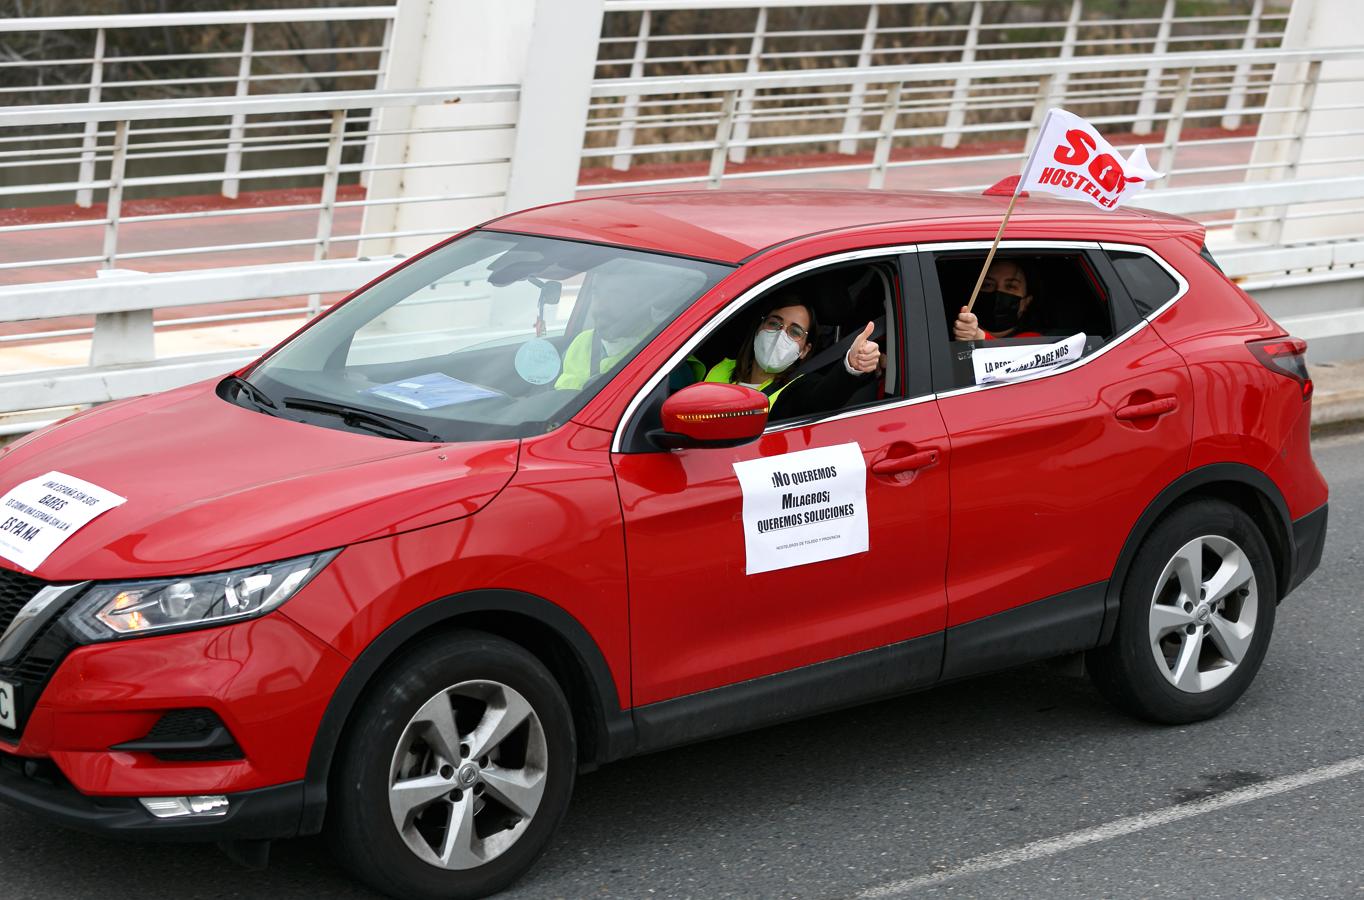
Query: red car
[(610, 476)]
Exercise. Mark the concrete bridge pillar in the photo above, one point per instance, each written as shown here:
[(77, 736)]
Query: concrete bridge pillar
[(501, 156), (1312, 25)]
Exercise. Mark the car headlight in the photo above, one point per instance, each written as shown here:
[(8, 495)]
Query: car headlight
[(111, 610)]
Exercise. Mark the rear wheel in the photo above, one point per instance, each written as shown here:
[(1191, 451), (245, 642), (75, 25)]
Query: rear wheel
[(457, 773), (1196, 616)]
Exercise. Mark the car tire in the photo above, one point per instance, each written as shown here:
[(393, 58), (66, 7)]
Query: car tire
[(477, 715), (1196, 614)]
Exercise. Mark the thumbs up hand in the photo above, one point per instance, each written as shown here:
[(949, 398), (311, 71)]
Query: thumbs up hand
[(864, 355)]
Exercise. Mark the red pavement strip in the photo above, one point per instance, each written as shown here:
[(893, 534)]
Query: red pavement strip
[(87, 241)]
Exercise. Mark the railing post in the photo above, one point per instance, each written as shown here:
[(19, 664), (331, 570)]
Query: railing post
[(331, 179), (852, 122), (1039, 111), (1150, 90), (739, 152), (237, 130), (956, 113), (120, 337), (723, 129), (1236, 98), (890, 115), (1174, 126), (1057, 95), (1306, 96), (372, 140), (117, 164), (625, 135), (86, 196)]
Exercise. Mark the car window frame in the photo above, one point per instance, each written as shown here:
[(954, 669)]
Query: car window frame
[(1127, 319), (1178, 276), (907, 303)]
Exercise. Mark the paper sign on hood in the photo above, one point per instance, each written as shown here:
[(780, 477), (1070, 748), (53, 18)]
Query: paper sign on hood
[(38, 515)]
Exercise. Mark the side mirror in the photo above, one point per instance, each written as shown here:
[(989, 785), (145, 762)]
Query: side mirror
[(712, 414)]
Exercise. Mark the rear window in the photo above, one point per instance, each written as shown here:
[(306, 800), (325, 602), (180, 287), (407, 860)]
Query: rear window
[(1146, 280)]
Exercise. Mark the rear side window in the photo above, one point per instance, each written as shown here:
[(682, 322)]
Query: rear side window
[(1066, 315), (1145, 279)]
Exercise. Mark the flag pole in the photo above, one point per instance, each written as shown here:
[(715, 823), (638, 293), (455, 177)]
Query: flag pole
[(989, 257), (1018, 189)]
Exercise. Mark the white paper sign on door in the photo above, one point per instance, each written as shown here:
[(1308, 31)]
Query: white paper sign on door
[(38, 515), (994, 364), (803, 507)]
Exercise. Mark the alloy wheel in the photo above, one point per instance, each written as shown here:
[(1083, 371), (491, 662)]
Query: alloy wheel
[(1203, 613), (468, 774)]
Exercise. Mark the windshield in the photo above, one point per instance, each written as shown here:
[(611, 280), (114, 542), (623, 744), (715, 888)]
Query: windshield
[(491, 336)]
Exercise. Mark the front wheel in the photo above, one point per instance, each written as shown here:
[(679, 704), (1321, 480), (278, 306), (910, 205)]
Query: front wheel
[(457, 773), (1196, 614)]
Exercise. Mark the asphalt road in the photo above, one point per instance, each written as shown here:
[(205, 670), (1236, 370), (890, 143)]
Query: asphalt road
[(1022, 784)]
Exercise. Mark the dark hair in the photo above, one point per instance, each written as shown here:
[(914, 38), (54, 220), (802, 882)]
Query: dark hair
[(743, 359)]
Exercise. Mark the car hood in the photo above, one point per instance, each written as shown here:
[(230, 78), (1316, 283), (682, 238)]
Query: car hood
[(212, 486)]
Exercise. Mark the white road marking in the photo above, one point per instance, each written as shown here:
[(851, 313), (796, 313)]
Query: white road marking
[(1002, 859)]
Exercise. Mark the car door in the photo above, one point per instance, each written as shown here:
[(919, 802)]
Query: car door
[(700, 621), (1050, 473)]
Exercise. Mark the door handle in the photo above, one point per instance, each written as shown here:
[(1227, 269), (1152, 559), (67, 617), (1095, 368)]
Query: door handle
[(893, 465), (1157, 407)]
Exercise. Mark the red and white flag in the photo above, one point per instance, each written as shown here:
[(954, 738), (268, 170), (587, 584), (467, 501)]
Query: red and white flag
[(1071, 159)]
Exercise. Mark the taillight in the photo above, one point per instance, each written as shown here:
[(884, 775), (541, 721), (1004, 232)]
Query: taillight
[(1287, 356)]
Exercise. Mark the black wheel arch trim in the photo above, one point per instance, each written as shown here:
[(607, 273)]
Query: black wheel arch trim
[(1184, 486), (615, 737)]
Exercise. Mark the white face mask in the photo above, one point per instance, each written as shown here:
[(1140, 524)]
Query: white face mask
[(775, 351)]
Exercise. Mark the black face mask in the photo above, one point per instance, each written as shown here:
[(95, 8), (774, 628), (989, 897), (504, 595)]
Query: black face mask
[(997, 310)]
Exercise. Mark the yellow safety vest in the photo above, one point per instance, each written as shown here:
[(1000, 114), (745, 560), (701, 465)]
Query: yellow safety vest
[(578, 362), (723, 372)]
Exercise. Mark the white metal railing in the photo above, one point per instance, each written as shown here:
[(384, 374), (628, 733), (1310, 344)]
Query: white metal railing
[(883, 39), (317, 122), (241, 69), (124, 329), (909, 103), (871, 101), (123, 359)]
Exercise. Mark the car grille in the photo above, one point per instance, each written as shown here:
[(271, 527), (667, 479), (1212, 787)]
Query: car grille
[(16, 589), (32, 670)]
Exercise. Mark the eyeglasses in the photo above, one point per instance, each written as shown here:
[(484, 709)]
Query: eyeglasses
[(774, 323)]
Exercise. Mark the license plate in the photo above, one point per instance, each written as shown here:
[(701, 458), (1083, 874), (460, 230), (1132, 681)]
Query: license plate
[(8, 719)]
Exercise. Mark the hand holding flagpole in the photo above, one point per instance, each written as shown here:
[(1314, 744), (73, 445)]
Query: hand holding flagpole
[(989, 257)]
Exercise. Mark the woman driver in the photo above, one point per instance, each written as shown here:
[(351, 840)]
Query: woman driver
[(768, 358)]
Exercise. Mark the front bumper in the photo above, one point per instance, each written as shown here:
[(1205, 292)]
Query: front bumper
[(81, 757), (39, 788), (1309, 538)]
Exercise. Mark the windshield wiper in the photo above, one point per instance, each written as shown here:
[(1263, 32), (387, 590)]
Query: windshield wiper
[(363, 418), (258, 396)]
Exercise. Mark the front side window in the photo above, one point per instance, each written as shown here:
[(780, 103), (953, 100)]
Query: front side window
[(793, 341), (795, 344), (491, 336), (1036, 310)]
